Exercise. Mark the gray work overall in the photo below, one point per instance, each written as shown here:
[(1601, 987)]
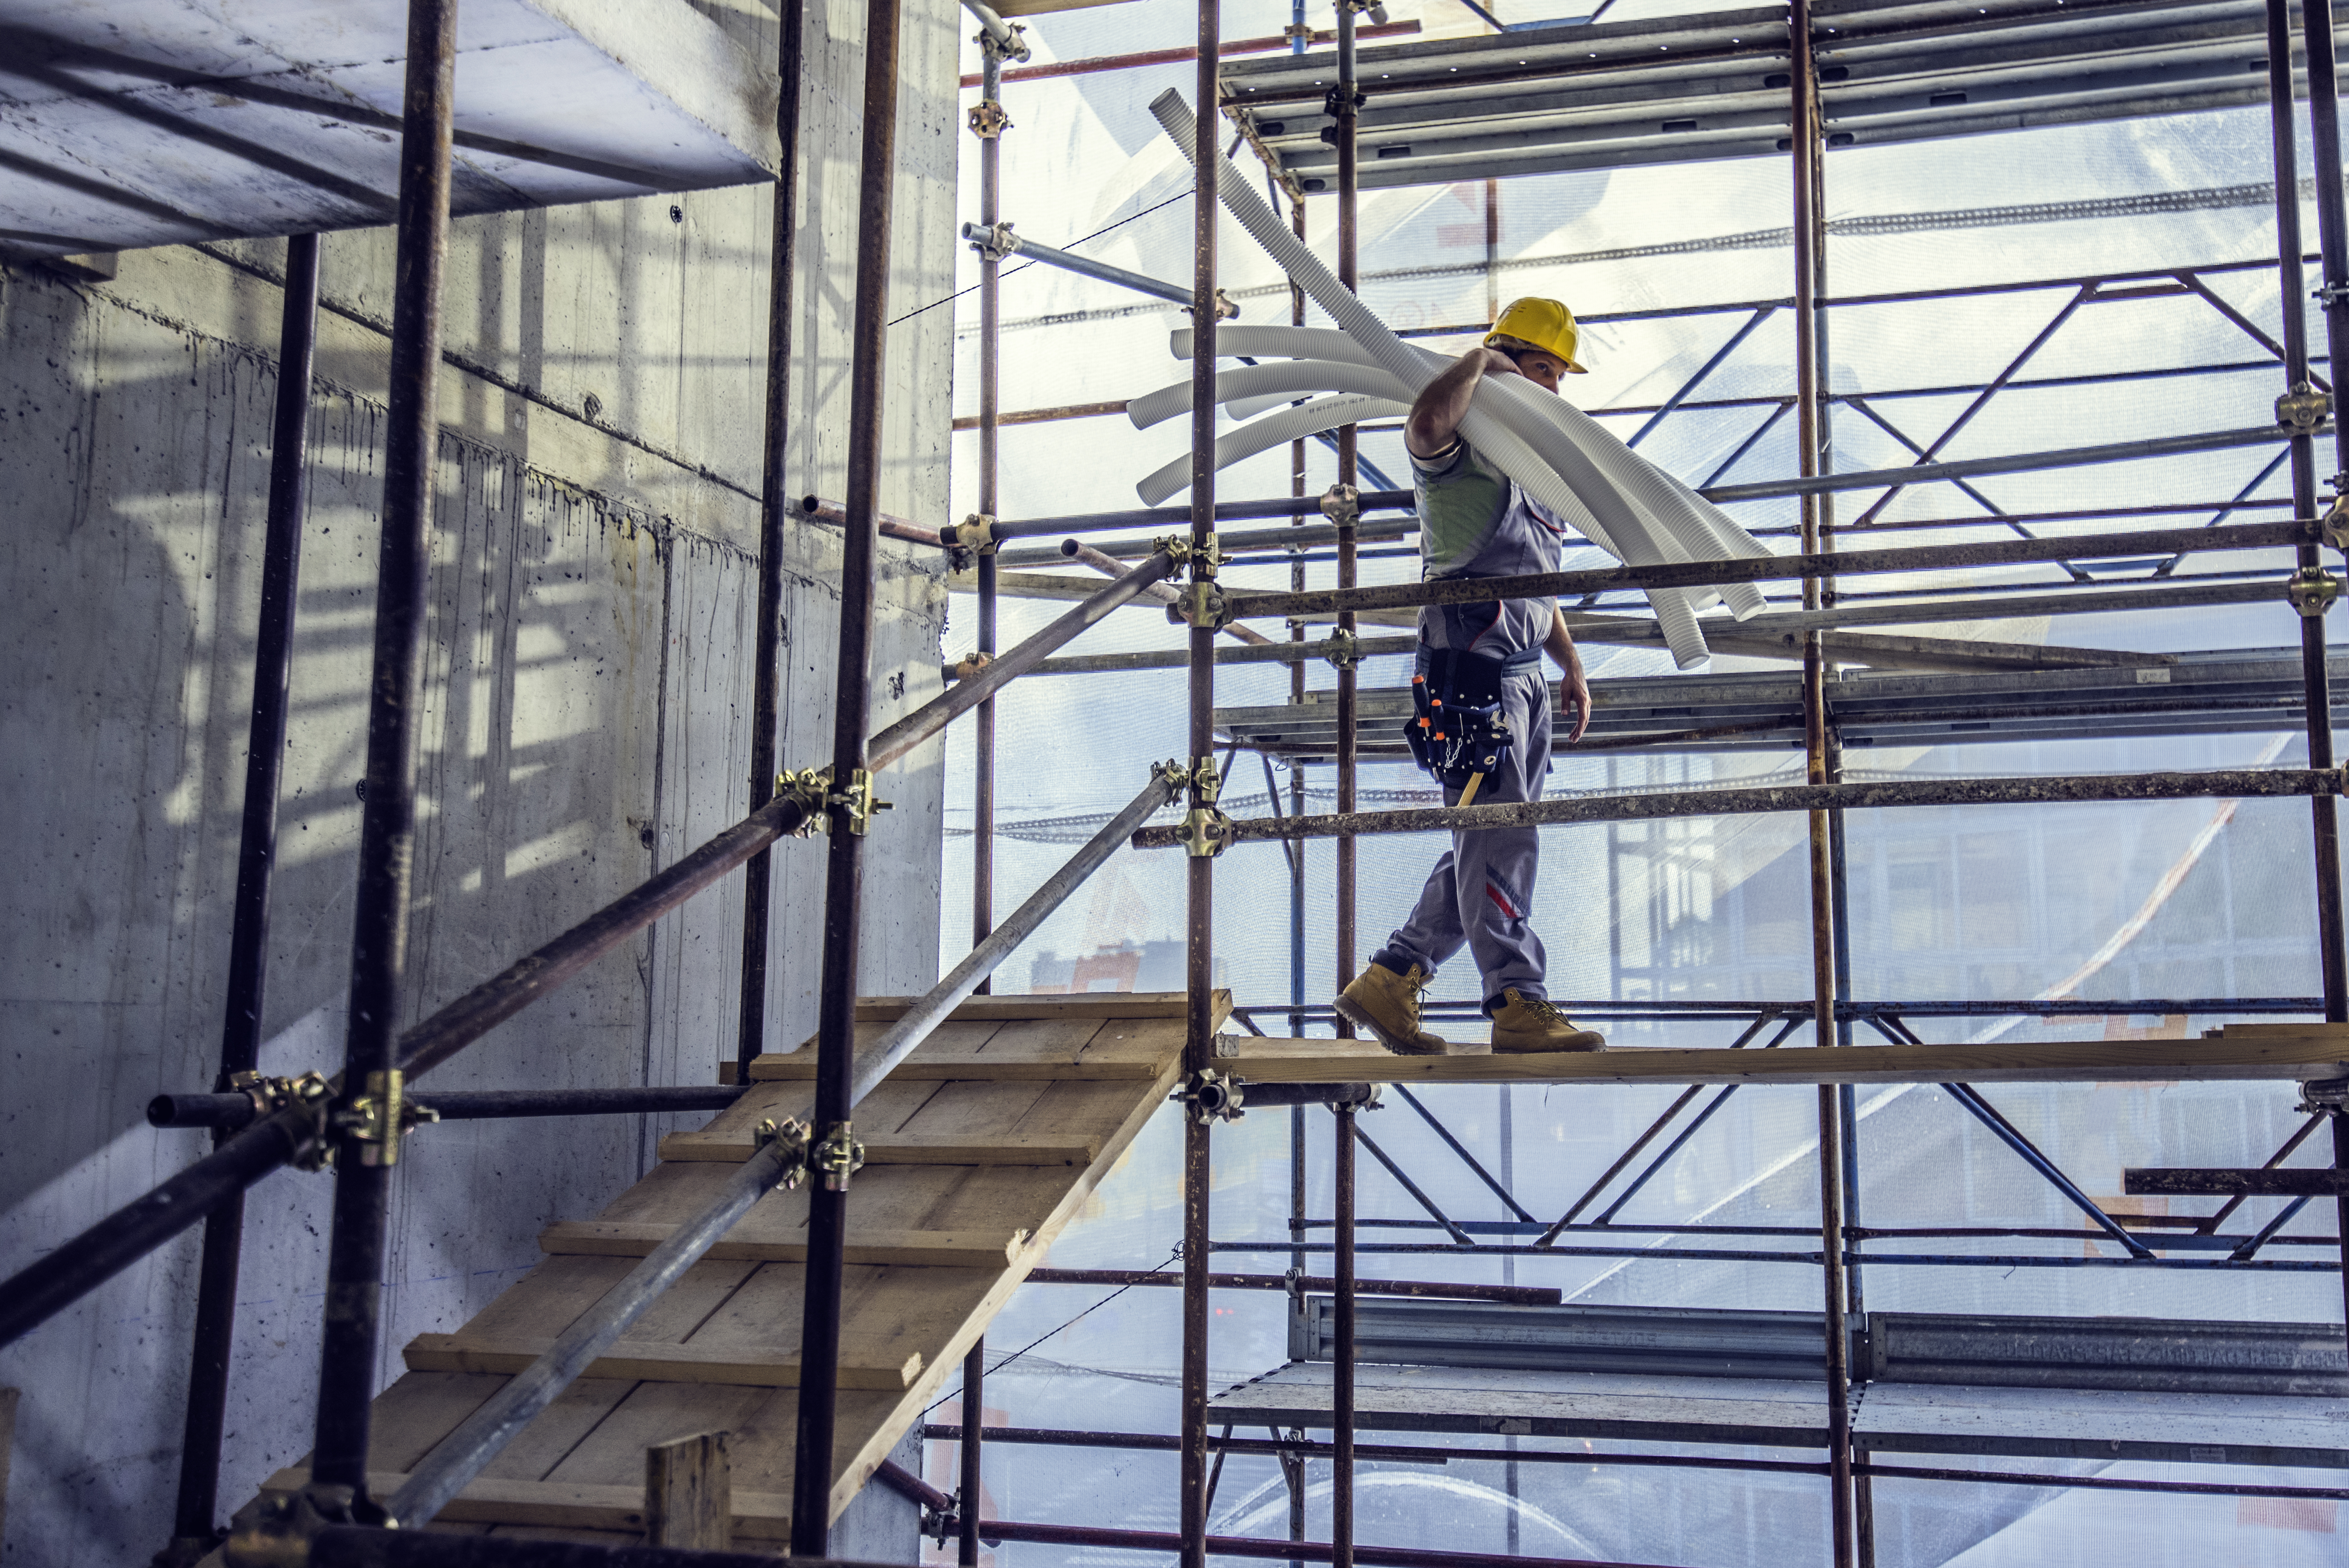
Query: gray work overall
[(1475, 522)]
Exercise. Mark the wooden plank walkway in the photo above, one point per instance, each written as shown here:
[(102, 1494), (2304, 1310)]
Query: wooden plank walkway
[(980, 1148), (2291, 1052)]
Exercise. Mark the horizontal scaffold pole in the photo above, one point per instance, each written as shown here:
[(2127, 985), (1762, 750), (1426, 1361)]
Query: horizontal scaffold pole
[(2163, 542), (233, 1111), (2234, 783), (33, 1293), (1179, 517)]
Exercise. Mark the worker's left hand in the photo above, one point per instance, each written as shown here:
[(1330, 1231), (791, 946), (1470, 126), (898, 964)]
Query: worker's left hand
[(1575, 691)]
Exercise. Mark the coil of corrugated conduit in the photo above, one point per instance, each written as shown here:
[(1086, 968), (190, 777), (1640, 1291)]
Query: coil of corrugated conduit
[(1560, 456)]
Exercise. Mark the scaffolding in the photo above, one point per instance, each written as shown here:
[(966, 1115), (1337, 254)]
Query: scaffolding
[(359, 1117)]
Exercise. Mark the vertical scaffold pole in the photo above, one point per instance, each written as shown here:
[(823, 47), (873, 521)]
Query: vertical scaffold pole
[(774, 521), (348, 1359), (974, 1399), (1341, 1366), (1345, 105), (1297, 634), (2293, 285), (195, 1528), (1199, 881), (850, 799), (2332, 251), (1807, 179), (987, 123)]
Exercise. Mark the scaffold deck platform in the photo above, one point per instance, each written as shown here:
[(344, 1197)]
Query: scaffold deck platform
[(2235, 1052)]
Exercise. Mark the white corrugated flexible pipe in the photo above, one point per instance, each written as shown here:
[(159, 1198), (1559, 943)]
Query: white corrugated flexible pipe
[(1277, 429), (1691, 527), (1644, 514)]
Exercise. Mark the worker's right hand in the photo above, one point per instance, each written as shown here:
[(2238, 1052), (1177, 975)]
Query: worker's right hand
[(1499, 364)]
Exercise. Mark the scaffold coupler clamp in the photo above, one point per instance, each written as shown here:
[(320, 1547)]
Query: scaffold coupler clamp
[(378, 1118), (2313, 591), (2334, 524), (1211, 1096), (793, 1135), (838, 1158), (857, 804), (1334, 105), (975, 533), (942, 1524), (967, 667), (1015, 51), (1342, 504), (1204, 831), (1343, 650), (2324, 1097), (2302, 410), (277, 1531), (312, 1092), (987, 119), (996, 243), (811, 786)]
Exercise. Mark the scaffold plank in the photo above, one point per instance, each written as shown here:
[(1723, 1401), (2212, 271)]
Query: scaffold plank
[(908, 1148), (2281, 1051)]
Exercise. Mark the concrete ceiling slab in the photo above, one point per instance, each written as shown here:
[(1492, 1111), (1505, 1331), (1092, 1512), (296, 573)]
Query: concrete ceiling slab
[(129, 123)]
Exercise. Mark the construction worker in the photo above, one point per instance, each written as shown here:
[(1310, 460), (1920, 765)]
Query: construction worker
[(1474, 522)]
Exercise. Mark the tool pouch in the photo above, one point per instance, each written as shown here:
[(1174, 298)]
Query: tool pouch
[(1456, 729)]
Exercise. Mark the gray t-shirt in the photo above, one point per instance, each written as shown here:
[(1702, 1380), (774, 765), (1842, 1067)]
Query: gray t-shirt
[(1475, 521)]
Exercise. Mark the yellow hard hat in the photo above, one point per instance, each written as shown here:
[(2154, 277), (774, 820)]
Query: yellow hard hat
[(1544, 323)]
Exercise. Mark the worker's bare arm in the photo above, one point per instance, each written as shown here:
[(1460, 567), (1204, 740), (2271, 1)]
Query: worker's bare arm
[(1436, 413), (1560, 646)]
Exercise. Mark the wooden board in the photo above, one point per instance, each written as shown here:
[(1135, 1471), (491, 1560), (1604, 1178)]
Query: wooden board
[(909, 1149), (757, 1516), (917, 1249), (1083, 1043), (2291, 1053), (639, 1361), (937, 1243)]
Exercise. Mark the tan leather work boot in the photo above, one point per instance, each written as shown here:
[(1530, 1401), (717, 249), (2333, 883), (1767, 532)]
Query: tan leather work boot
[(1530, 1023), (1387, 1004)]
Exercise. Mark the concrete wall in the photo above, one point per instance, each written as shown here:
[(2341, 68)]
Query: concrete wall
[(586, 722)]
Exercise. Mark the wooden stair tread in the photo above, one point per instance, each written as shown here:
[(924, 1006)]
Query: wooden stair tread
[(758, 1515), (645, 1361), (909, 1149), (949, 1249)]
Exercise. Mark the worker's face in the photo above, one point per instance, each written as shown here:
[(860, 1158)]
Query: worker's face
[(1544, 370)]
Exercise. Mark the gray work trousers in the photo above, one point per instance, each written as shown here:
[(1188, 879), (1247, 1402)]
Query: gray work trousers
[(1480, 894)]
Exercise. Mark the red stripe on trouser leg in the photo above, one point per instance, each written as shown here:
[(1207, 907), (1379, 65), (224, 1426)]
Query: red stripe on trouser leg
[(1502, 903)]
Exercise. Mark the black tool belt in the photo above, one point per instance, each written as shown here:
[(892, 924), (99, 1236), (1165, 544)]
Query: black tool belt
[(1457, 730)]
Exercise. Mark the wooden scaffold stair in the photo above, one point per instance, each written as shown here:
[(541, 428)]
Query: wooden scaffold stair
[(980, 1149)]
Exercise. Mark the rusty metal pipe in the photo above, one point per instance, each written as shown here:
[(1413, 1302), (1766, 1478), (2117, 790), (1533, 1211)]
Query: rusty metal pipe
[(347, 1358), (820, 1330), (774, 518)]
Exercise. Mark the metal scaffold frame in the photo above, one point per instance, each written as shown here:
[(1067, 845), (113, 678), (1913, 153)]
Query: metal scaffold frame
[(360, 1116)]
